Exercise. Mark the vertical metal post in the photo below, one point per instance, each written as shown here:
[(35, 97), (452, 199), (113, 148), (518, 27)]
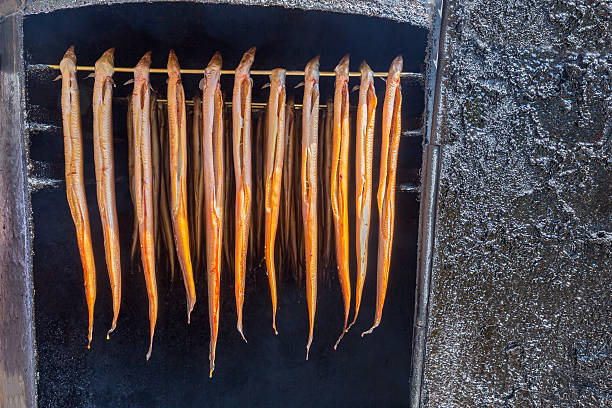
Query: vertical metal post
[(429, 198)]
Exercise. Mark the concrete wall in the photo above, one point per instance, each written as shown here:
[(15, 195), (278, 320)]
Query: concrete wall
[(17, 370), (521, 287)]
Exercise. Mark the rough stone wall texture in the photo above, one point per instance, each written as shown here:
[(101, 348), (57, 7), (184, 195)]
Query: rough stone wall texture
[(17, 386), (521, 303), (410, 11)]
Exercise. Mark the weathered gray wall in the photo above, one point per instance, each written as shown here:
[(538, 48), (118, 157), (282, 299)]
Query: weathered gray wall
[(17, 388), (409, 11), (521, 298)]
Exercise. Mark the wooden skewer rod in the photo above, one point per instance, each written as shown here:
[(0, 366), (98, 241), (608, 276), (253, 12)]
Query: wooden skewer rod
[(414, 75), (253, 104)]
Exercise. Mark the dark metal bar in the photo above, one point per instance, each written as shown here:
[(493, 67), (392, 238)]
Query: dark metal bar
[(409, 188), (413, 133)]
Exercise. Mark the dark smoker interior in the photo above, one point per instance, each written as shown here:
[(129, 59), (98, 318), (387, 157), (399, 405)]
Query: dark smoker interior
[(269, 370)]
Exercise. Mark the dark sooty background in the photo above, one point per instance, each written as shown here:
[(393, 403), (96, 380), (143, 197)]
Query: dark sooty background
[(269, 370)]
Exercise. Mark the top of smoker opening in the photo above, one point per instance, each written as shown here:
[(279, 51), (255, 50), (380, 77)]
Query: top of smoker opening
[(415, 12)]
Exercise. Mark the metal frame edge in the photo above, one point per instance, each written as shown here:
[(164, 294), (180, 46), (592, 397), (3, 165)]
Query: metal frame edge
[(429, 199)]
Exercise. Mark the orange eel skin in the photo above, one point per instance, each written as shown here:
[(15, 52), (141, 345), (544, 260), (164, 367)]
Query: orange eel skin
[(197, 178), (339, 183), (310, 133), (75, 187), (155, 158), (241, 123), (275, 150), (212, 163), (327, 165), (130, 139), (177, 126), (105, 173), (143, 182), (391, 132), (366, 112), (164, 210), (289, 247)]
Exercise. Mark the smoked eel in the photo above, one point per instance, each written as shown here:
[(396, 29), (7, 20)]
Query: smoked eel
[(310, 133), (164, 187), (143, 183), (130, 140), (213, 173), (289, 247), (177, 129), (339, 183), (328, 232), (197, 177), (241, 124), (75, 187), (155, 164), (274, 156), (228, 196), (259, 156), (105, 172), (391, 133), (366, 112)]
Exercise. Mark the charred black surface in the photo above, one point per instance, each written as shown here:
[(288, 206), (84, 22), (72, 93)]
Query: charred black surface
[(522, 274), (407, 11), (269, 370)]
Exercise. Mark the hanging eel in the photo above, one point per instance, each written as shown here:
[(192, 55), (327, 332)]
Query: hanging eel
[(197, 178), (366, 113), (130, 140), (339, 183), (75, 187), (143, 183), (177, 126), (274, 156), (155, 164), (391, 132), (213, 169), (105, 173), (310, 133), (241, 123), (328, 231), (164, 187), (287, 190)]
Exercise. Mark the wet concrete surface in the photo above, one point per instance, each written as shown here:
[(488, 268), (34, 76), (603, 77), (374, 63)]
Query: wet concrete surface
[(521, 294)]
